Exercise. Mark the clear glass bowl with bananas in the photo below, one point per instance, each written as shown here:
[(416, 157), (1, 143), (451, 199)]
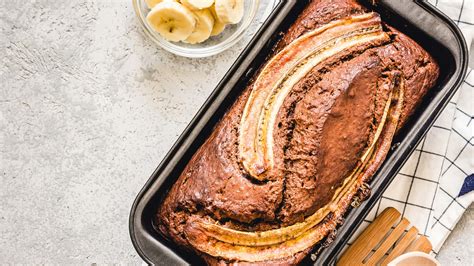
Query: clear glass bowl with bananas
[(198, 28)]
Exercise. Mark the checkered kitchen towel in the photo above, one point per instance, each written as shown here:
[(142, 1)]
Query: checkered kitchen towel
[(433, 189)]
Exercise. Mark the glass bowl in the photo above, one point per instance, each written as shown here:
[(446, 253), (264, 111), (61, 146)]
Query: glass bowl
[(254, 10)]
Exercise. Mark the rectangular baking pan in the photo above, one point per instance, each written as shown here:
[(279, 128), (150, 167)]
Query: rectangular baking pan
[(418, 19)]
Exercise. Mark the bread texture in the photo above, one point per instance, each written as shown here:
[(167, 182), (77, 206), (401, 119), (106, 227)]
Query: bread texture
[(283, 165)]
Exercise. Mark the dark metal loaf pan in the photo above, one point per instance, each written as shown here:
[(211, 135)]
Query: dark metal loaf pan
[(418, 19)]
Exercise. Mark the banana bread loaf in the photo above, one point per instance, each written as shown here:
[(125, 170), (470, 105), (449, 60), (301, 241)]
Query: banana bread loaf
[(285, 162)]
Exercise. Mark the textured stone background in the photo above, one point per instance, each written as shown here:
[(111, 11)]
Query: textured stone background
[(88, 108)]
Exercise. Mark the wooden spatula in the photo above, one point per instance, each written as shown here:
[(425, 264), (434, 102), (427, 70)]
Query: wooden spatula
[(385, 239)]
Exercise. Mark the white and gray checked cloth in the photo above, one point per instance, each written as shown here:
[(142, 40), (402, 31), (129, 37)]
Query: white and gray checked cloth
[(430, 189)]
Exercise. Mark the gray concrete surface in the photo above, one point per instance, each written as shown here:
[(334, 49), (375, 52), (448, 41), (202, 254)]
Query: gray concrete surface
[(459, 247), (88, 108)]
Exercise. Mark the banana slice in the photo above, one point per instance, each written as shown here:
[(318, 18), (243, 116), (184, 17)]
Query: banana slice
[(204, 26), (153, 3), (229, 11), (197, 4), (218, 26), (172, 20)]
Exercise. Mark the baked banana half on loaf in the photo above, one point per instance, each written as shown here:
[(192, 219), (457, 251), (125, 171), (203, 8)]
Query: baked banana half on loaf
[(286, 161)]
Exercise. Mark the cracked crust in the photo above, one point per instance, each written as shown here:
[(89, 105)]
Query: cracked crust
[(323, 127)]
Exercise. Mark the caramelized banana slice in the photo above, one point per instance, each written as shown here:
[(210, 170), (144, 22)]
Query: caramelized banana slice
[(283, 72), (203, 242)]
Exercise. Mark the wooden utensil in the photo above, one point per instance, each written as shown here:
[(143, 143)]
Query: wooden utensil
[(385, 239)]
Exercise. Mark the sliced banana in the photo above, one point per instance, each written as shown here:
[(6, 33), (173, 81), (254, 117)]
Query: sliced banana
[(204, 26), (213, 12), (153, 3), (229, 11), (172, 20), (197, 4), (218, 26)]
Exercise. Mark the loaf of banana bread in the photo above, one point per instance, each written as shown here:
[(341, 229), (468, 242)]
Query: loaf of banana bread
[(283, 165)]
